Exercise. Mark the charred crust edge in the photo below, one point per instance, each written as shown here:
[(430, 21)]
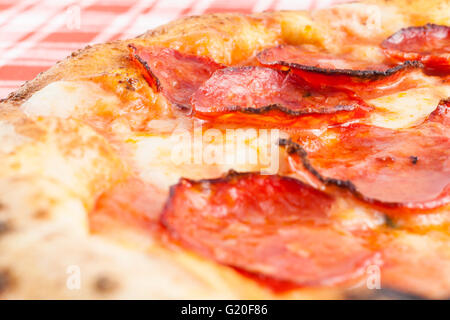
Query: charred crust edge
[(6, 280), (286, 110), (5, 227), (133, 51), (362, 74), (296, 149), (233, 174), (105, 284)]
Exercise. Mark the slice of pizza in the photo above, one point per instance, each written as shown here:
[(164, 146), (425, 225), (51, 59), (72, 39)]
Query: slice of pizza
[(294, 155)]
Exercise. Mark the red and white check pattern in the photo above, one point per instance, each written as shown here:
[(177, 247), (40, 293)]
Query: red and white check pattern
[(34, 34)]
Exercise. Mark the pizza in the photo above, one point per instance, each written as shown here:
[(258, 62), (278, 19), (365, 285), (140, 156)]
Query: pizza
[(277, 155)]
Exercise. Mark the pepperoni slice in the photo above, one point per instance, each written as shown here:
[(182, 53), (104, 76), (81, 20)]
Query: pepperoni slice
[(267, 225), (261, 95), (430, 44), (407, 168), (333, 70), (175, 74)]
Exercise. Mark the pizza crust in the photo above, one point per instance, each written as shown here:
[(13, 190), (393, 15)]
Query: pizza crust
[(54, 165)]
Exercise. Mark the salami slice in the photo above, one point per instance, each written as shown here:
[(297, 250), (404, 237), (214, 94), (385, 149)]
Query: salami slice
[(261, 95), (407, 168), (429, 44), (177, 75), (321, 69), (272, 226)]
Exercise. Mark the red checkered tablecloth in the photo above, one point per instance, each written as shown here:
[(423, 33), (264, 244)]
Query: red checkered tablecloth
[(34, 34)]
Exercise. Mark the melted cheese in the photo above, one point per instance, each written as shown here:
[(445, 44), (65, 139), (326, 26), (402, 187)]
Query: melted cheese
[(407, 108), (63, 99), (358, 20), (163, 159), (9, 138)]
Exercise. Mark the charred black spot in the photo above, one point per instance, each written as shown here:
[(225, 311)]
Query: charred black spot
[(105, 284), (6, 280), (5, 227), (131, 84), (414, 159), (389, 222), (184, 108)]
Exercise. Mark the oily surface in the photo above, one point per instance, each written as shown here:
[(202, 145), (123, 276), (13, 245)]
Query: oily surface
[(56, 164)]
